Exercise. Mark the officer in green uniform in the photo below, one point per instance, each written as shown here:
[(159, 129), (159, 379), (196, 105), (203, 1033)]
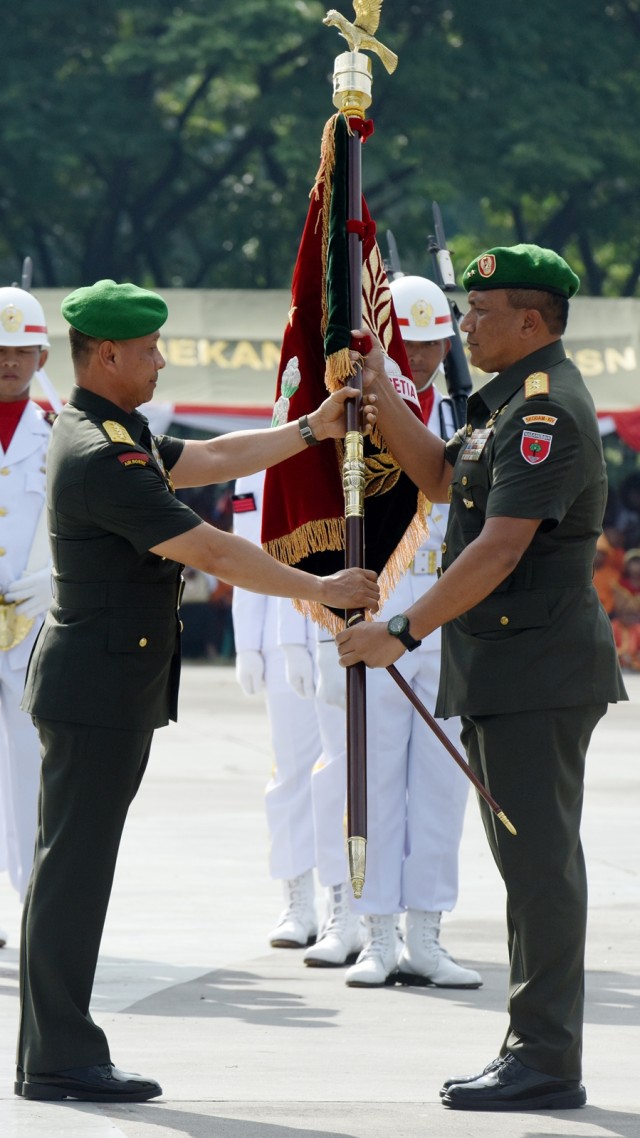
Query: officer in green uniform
[(104, 670), (528, 659)]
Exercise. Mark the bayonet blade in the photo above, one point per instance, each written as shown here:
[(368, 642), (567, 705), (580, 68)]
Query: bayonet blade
[(27, 274)]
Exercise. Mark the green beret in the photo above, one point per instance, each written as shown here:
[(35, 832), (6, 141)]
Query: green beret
[(521, 266), (110, 311)]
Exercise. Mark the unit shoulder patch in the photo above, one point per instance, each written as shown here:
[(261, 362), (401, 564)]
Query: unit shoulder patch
[(551, 420), (535, 447), (536, 384), (116, 432), (134, 458)]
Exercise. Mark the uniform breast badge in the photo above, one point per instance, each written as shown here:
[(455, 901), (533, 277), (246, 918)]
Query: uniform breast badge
[(476, 444)]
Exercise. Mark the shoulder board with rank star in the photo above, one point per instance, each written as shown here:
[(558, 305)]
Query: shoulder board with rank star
[(117, 433), (536, 384)]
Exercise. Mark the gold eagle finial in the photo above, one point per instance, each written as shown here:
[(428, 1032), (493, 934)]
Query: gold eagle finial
[(359, 35)]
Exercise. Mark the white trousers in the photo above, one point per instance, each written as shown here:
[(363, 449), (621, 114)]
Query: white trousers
[(19, 778), (305, 811), (296, 745)]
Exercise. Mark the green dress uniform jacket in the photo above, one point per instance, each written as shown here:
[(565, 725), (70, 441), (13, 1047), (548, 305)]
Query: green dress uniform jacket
[(108, 653), (103, 674), (542, 638), (530, 669)]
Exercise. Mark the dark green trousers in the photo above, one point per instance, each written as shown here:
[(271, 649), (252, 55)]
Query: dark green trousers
[(90, 776), (533, 765)]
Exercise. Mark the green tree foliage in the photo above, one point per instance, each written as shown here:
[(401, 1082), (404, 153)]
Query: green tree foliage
[(176, 143)]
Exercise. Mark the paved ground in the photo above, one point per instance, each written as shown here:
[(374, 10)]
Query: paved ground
[(246, 1042)]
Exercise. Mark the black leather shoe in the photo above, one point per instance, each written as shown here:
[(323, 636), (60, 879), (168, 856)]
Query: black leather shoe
[(19, 1081), (512, 1086), (102, 1083), (471, 1078)]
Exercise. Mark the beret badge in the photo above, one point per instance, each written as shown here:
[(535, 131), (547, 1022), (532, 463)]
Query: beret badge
[(487, 265)]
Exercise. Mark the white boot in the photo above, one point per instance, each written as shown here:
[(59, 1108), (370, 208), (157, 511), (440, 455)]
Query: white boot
[(379, 957), (423, 959), (342, 936), (297, 925)]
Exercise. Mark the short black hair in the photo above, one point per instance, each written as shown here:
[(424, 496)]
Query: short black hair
[(81, 346), (553, 309)]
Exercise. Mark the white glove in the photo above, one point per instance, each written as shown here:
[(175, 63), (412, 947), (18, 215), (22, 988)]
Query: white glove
[(32, 591), (250, 671), (298, 670), (332, 685)]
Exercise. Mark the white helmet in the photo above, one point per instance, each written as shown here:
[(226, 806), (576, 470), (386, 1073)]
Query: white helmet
[(422, 309), (22, 322)]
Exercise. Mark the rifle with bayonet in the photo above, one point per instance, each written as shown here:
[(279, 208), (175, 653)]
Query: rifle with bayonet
[(456, 367), (392, 262)]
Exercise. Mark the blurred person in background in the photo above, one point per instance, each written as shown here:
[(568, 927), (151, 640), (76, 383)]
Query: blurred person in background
[(25, 570)]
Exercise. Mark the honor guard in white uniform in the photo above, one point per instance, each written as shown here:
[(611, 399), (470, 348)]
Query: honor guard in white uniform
[(275, 651), (342, 931), (260, 626), (416, 795), (25, 568)]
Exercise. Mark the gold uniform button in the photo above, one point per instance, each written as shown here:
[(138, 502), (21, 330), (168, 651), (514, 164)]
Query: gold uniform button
[(3, 511), (465, 480), (4, 470), (143, 642), (504, 620), (443, 547), (2, 552)]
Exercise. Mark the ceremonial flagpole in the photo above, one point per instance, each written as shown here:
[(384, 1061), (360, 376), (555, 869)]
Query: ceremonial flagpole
[(352, 97)]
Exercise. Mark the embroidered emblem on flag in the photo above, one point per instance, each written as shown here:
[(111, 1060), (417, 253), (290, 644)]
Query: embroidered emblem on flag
[(535, 446)]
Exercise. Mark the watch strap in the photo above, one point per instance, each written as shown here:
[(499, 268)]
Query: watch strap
[(306, 432)]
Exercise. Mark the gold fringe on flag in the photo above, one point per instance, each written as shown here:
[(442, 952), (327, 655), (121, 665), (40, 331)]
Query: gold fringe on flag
[(308, 539)]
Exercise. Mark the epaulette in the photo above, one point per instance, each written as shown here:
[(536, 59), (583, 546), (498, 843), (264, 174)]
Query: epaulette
[(536, 384), (116, 432)]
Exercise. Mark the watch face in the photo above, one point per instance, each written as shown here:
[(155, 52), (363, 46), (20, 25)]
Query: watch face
[(398, 624)]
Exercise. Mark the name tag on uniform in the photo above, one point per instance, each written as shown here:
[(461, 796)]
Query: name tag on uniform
[(476, 444)]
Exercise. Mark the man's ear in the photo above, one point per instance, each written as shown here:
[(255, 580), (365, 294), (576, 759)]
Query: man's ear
[(446, 344), (107, 353), (44, 356), (532, 323)]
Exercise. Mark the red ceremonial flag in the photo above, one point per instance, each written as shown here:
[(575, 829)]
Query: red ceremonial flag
[(303, 511)]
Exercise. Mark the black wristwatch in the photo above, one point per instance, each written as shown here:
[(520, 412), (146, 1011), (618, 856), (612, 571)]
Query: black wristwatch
[(399, 626)]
